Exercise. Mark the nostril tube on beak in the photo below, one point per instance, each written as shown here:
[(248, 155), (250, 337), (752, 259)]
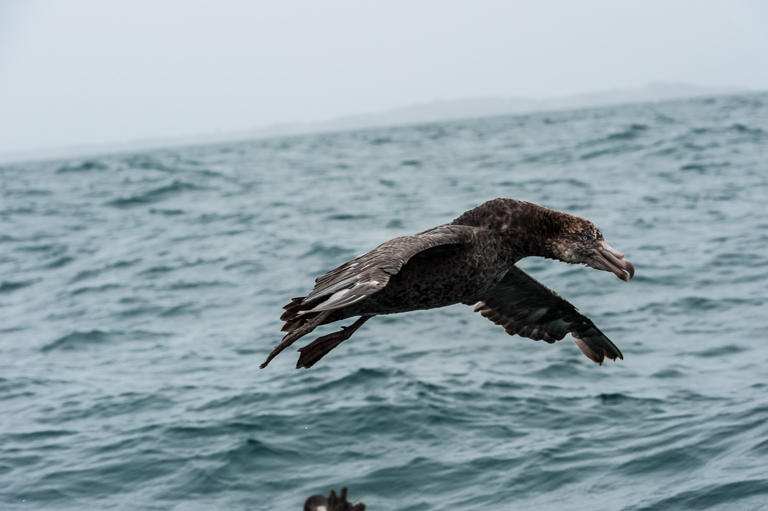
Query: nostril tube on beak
[(620, 266)]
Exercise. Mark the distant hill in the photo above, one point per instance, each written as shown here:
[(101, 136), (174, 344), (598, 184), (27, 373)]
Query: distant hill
[(495, 106), (435, 111)]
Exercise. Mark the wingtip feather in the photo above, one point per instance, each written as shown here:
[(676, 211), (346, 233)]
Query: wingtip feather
[(597, 351)]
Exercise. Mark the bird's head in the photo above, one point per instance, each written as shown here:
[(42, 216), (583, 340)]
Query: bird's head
[(534, 230), (580, 242)]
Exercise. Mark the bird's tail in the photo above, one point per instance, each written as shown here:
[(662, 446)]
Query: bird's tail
[(291, 316), (296, 332)]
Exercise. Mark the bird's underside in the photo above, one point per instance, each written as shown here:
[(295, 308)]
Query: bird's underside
[(443, 266)]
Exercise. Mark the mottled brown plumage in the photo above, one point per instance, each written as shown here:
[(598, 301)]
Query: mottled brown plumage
[(472, 260)]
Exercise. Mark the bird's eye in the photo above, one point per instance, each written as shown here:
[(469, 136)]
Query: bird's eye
[(584, 237)]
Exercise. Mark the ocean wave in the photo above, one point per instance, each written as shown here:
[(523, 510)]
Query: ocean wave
[(80, 340), (326, 251), (105, 268), (77, 340), (155, 195), (719, 496), (95, 289), (11, 286), (140, 295), (86, 166)]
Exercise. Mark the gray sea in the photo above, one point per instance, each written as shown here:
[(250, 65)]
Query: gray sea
[(139, 293)]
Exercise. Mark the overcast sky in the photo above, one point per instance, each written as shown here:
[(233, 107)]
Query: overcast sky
[(86, 72)]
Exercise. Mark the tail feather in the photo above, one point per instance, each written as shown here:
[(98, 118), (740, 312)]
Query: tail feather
[(298, 325), (292, 308), (295, 334), (291, 316)]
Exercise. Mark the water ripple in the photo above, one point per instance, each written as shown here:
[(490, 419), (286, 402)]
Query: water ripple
[(140, 292)]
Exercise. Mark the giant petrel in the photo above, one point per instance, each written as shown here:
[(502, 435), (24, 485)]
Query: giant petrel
[(471, 260)]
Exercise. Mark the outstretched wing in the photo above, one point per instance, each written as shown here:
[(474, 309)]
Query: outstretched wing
[(368, 273), (526, 307)]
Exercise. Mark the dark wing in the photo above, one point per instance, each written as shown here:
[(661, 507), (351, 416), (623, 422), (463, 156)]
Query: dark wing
[(526, 307), (368, 273)]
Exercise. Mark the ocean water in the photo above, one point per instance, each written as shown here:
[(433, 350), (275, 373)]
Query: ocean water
[(140, 292)]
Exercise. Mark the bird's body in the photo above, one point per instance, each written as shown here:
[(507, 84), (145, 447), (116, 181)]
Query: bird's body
[(472, 261), (437, 277)]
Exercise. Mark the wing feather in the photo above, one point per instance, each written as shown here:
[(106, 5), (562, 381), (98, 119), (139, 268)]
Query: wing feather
[(368, 273), (526, 307)]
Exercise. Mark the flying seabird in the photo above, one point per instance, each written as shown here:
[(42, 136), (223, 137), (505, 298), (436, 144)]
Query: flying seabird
[(471, 260)]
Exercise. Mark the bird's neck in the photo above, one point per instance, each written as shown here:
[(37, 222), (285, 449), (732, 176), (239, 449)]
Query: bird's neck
[(527, 230)]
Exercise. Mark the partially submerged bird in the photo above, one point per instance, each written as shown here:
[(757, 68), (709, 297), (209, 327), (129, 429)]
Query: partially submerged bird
[(472, 261), (332, 503)]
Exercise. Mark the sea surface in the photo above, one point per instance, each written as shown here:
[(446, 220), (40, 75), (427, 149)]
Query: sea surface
[(140, 292)]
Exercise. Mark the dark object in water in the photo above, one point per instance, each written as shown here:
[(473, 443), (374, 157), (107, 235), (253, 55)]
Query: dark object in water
[(332, 503), (471, 261)]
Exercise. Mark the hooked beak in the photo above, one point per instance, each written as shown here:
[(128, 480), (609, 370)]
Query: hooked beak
[(608, 259)]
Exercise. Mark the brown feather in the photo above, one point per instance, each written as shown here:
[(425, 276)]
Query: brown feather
[(472, 260)]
